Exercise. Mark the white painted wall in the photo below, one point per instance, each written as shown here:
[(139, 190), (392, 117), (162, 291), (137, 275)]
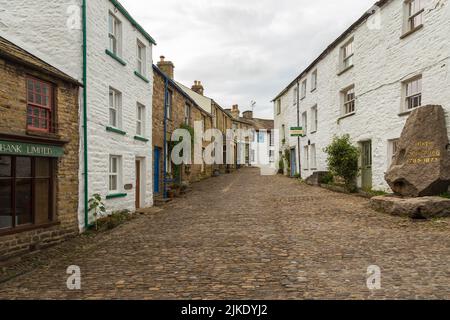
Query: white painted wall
[(55, 35), (382, 62)]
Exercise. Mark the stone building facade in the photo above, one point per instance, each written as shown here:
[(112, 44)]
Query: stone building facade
[(118, 88), (39, 147), (394, 59), (181, 112)]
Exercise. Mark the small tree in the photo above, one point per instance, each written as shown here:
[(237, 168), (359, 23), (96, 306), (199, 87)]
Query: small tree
[(96, 206), (343, 160)]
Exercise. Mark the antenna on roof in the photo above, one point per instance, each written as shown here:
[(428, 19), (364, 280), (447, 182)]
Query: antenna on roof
[(253, 104)]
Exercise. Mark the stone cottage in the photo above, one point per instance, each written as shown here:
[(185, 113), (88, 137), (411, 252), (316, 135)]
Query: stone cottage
[(39, 147)]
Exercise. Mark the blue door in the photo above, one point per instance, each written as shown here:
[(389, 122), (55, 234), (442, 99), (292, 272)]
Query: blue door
[(156, 160), (293, 163)]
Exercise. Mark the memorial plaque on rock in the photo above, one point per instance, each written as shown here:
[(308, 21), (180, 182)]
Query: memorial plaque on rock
[(421, 166)]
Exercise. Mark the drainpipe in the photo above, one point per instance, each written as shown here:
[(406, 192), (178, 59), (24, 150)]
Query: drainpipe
[(85, 131), (298, 125), (166, 98)]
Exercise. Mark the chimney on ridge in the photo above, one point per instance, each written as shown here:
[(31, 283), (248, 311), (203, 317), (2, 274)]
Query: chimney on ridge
[(198, 87), (166, 66), (248, 114), (235, 111)]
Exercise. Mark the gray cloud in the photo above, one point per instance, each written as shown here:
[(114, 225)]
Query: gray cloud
[(243, 50)]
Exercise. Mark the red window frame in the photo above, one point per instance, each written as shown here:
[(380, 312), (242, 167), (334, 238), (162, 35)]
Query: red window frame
[(39, 105)]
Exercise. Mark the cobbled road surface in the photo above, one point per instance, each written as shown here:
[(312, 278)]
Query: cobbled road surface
[(247, 236)]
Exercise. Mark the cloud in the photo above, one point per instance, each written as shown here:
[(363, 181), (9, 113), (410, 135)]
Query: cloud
[(243, 50)]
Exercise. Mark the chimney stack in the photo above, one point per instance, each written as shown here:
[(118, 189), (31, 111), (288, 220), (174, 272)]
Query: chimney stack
[(248, 114), (198, 87), (235, 111), (166, 67)]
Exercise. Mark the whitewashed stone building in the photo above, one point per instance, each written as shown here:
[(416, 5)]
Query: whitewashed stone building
[(394, 59), (116, 69)]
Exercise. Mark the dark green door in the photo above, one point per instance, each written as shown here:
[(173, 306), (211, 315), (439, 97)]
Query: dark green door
[(366, 165)]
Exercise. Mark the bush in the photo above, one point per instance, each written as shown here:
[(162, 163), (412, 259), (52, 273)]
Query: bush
[(343, 160), (327, 178)]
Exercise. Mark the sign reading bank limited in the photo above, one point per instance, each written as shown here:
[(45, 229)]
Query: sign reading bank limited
[(30, 149)]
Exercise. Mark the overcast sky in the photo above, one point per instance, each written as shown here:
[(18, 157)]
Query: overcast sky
[(243, 50)]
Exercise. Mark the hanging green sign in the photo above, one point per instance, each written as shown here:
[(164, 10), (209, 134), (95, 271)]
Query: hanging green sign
[(297, 132), (30, 149)]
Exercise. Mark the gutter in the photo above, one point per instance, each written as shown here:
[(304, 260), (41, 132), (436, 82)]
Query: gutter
[(85, 131)]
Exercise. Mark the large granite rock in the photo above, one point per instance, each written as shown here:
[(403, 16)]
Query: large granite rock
[(416, 208), (421, 166)]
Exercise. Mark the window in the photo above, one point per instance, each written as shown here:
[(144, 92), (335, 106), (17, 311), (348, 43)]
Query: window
[(272, 138), (214, 117), (26, 191), (314, 119), (304, 85), (413, 93), (114, 173), (294, 96), (283, 132), (39, 105), (314, 81), (140, 120), (203, 123), (115, 108), (115, 35), (306, 158), (169, 104), (278, 106), (313, 156), (347, 55), (141, 58), (261, 135), (305, 122), (187, 114), (393, 148), (349, 100), (414, 14)]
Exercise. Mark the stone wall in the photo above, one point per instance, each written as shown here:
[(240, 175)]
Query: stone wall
[(13, 115), (382, 61)]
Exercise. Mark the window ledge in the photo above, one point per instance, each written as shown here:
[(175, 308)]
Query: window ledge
[(141, 76), (43, 134), (313, 90), (406, 34), (29, 228), (139, 138), (345, 70), (312, 132), (115, 130), (115, 57), (346, 116), (116, 195), (407, 112)]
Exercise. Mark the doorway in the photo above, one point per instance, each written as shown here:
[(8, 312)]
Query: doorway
[(366, 165), (293, 162), (138, 183), (156, 169)]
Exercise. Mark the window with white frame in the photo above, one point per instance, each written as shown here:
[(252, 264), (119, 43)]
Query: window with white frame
[(115, 35), (114, 174), (278, 103), (392, 151), (313, 155), (413, 14), (271, 156), (141, 58), (115, 108), (187, 114), (349, 98), (314, 80), (272, 138), (305, 122), (305, 158), (169, 104), (283, 132), (314, 121), (304, 85), (140, 119), (413, 93), (347, 54)]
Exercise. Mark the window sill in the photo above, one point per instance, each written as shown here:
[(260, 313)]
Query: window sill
[(115, 57), (407, 112), (116, 195), (315, 89), (141, 77), (345, 70), (346, 116), (312, 132), (406, 34), (115, 130), (28, 228), (139, 138), (43, 134)]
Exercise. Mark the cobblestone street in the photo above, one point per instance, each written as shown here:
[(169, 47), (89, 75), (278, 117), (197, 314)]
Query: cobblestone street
[(246, 236)]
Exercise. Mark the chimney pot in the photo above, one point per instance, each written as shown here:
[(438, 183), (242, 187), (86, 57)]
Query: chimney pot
[(166, 67)]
